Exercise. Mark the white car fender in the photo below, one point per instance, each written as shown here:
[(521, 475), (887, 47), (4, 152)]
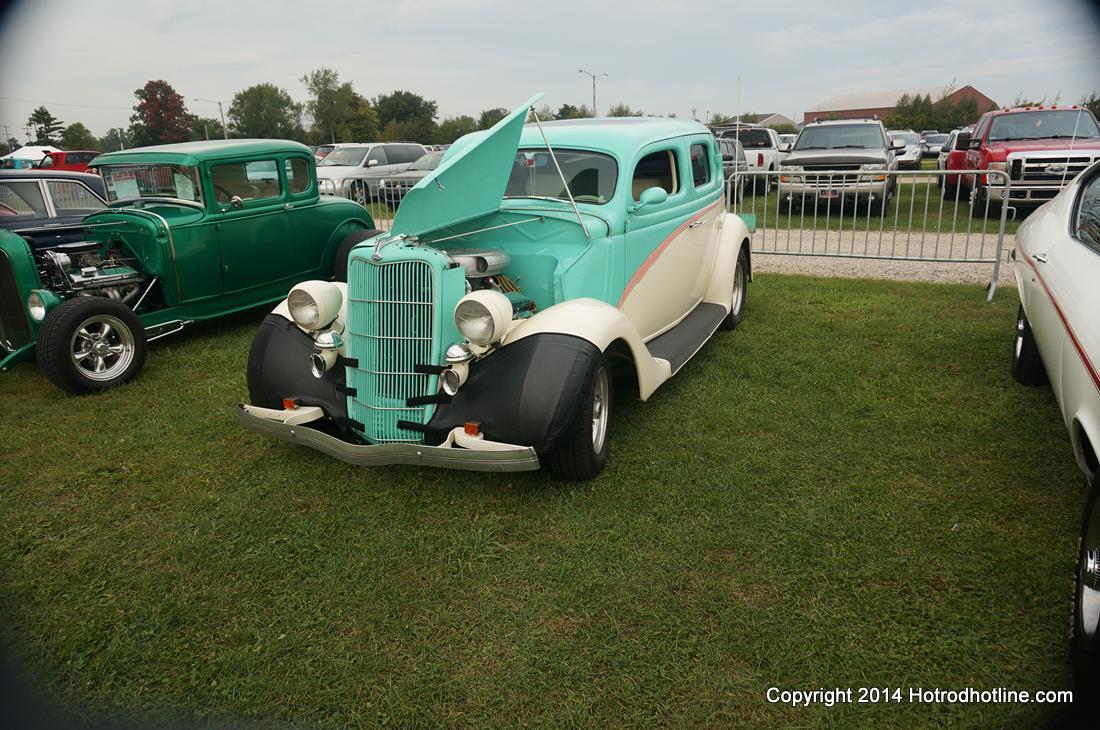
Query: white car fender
[(733, 233), (601, 324)]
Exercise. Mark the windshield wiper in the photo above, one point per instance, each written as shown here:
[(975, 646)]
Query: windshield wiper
[(799, 149), (852, 147)]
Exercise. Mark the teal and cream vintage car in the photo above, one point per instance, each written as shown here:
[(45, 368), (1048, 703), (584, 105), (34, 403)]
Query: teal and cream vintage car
[(483, 331), (192, 231)]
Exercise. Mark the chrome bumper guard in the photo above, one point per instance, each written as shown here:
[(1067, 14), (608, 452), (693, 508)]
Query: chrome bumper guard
[(479, 455)]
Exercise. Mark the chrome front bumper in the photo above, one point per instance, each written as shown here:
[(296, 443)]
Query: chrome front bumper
[(497, 457)]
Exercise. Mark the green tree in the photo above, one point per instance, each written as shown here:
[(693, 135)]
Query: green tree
[(205, 128), (160, 116), (78, 137), (411, 115), (362, 126), (568, 111), (114, 140), (489, 117), (45, 127), (452, 128), (331, 103), (624, 110), (265, 111)]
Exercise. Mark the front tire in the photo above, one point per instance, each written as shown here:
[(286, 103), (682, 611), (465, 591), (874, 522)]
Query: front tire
[(1027, 365), (582, 453), (90, 344), (1084, 639)]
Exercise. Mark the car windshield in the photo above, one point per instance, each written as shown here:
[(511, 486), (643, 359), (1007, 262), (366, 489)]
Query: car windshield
[(1043, 125), (752, 137), (906, 137), (429, 161), (936, 138), (840, 136), (591, 176), (344, 156), (128, 182)]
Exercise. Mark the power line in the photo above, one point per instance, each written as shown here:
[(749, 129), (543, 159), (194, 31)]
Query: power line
[(58, 103)]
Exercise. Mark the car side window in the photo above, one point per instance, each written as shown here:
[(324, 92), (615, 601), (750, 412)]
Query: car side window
[(655, 170), (1087, 225), (979, 131), (700, 165), (246, 180), (378, 155), (297, 175), (21, 199), (72, 198), (413, 153)]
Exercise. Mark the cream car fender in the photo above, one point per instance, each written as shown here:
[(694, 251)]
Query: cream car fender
[(733, 234), (600, 324)]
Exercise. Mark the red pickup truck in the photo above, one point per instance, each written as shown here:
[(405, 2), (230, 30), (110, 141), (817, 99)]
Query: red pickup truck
[(1041, 148), (75, 160)]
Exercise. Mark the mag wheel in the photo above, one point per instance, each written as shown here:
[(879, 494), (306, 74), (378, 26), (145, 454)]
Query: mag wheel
[(90, 344), (583, 449)]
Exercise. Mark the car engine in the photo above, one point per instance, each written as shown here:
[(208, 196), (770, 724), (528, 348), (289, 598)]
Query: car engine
[(83, 268), (485, 270)]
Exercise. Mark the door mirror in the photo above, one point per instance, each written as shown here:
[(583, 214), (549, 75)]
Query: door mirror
[(962, 141), (651, 196), (899, 145), (372, 163), (727, 158), (786, 147)]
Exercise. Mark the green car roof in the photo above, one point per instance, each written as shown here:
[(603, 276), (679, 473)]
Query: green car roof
[(192, 153), (621, 136)]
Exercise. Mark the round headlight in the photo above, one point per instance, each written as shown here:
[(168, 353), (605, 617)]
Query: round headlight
[(482, 316), (36, 306), (313, 304)]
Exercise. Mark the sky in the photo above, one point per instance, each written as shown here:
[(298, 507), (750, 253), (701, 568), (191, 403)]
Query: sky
[(84, 59)]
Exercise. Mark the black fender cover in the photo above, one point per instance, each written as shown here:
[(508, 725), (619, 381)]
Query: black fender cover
[(526, 393), (278, 368)]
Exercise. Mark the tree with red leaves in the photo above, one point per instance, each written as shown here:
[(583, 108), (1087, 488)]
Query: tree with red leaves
[(160, 116)]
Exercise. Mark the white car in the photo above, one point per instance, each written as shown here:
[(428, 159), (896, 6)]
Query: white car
[(1058, 340)]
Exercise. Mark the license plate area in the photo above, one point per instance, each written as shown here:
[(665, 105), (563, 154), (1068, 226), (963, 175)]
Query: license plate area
[(828, 194)]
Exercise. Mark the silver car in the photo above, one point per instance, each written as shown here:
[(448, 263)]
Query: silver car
[(909, 159), (354, 170)]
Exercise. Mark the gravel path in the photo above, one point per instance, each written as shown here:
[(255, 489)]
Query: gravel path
[(911, 244)]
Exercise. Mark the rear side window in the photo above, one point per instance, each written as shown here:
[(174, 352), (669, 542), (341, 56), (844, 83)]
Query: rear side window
[(413, 152), (1087, 225), (21, 199), (700, 165), (72, 198), (297, 175), (655, 170)]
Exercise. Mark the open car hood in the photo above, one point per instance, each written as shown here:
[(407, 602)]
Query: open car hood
[(468, 183)]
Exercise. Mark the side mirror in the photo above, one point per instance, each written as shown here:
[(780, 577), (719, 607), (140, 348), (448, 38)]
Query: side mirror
[(899, 146), (372, 163), (962, 141), (727, 158), (651, 196), (786, 147), (236, 202)]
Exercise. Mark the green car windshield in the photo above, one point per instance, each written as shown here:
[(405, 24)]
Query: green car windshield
[(591, 176), (131, 182)]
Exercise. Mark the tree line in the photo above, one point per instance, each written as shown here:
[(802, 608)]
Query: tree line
[(333, 112)]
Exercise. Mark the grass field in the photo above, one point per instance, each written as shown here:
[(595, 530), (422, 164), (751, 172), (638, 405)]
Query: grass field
[(849, 490)]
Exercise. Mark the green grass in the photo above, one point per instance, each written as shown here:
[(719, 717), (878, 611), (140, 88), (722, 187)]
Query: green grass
[(849, 490), (917, 206)]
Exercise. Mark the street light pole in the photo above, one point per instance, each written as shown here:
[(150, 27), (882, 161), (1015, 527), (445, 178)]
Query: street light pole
[(225, 130), (594, 77)]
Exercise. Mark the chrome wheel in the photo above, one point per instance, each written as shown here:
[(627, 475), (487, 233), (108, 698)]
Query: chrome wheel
[(1088, 578), (359, 194), (738, 298), (600, 409), (1018, 344), (102, 347)]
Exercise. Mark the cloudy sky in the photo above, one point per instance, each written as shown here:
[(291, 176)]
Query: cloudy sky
[(84, 59)]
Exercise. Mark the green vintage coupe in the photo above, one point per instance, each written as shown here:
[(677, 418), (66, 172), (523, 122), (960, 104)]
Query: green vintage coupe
[(193, 231)]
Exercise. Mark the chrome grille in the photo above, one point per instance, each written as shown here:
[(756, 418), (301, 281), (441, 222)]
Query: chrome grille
[(391, 307), (1056, 170)]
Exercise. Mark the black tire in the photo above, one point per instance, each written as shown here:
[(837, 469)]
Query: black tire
[(978, 206), (110, 334), (950, 191), (740, 292), (1084, 638), (578, 457), (1027, 365), (343, 251), (358, 192)]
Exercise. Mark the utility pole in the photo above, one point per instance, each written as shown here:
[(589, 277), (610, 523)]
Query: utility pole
[(225, 130), (594, 77), (694, 117)]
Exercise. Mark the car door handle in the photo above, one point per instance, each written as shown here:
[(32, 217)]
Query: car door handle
[(1040, 257), (696, 224), (288, 206)]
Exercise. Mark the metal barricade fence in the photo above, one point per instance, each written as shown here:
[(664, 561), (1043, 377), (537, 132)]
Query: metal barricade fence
[(899, 215)]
